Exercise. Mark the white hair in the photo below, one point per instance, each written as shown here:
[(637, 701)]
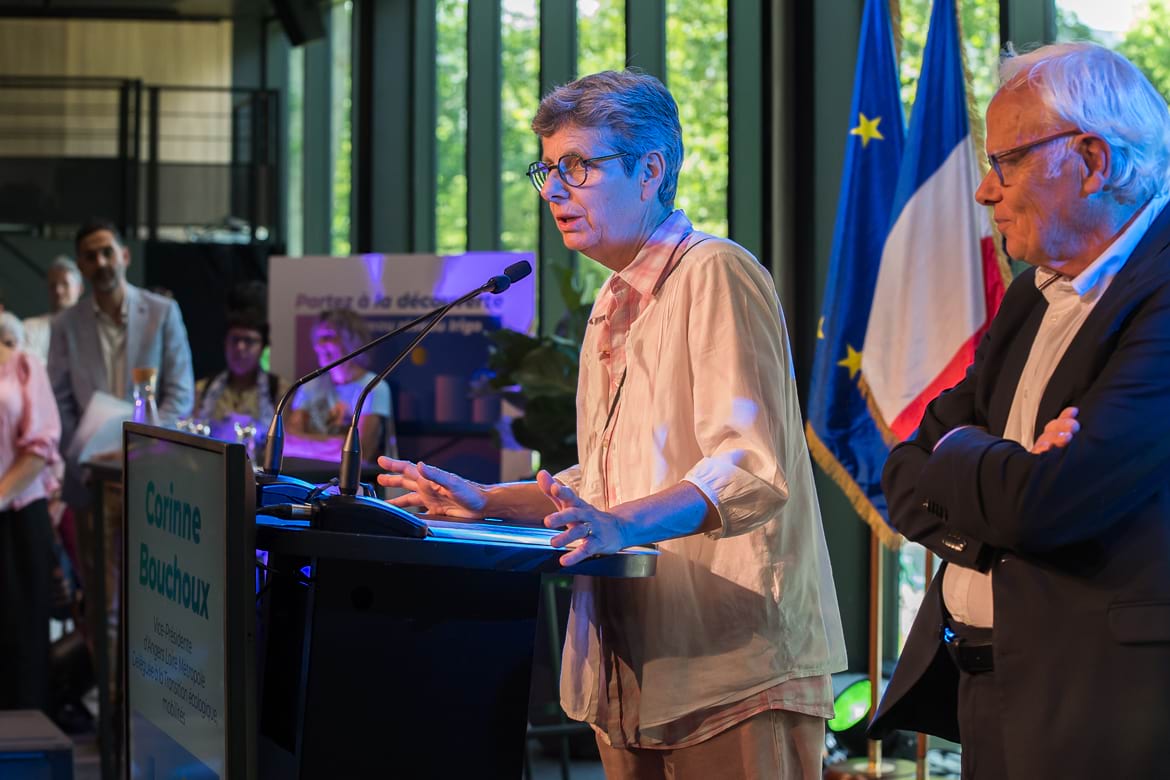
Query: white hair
[(1103, 93), (11, 330), (65, 263)]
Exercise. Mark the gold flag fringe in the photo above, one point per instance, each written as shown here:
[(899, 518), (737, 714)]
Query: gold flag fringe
[(896, 26), (831, 466), (888, 436)]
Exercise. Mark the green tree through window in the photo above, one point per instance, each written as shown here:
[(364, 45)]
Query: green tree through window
[(601, 35), (696, 72), (601, 45), (296, 152), (451, 126), (520, 65), (979, 20), (341, 124), (1147, 45)]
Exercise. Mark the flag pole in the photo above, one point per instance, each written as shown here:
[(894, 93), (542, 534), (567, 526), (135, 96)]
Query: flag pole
[(875, 645), (873, 766), (923, 771)]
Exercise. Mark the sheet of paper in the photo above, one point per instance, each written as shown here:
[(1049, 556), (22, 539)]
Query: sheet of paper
[(100, 429)]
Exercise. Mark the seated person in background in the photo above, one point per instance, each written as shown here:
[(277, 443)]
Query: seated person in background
[(322, 410), (65, 287), (242, 393), (29, 432)]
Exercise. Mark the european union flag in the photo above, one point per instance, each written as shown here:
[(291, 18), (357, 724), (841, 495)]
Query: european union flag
[(842, 435)]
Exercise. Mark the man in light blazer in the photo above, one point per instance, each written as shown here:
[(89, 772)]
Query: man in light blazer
[(116, 328), (1043, 479), (94, 346)]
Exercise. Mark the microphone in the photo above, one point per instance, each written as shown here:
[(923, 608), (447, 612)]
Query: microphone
[(281, 488), (347, 510)]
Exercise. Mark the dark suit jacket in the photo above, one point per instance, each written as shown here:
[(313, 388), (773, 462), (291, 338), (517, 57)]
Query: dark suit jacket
[(1077, 539)]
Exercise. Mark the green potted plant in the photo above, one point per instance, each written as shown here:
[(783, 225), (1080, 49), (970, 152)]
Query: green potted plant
[(538, 375)]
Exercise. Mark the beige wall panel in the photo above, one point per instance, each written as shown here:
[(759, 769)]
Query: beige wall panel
[(32, 47), (31, 119), (82, 122), (187, 53), (163, 53)]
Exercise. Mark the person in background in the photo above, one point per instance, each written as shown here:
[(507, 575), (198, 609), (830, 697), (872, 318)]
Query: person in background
[(95, 345), (689, 435), (119, 327), (65, 287), (322, 410), (243, 393), (12, 333), (29, 433)]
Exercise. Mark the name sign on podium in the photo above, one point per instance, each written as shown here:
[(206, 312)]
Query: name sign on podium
[(190, 619)]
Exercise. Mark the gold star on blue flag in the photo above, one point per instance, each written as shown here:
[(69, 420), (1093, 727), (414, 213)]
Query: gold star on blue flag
[(868, 129), (851, 361)]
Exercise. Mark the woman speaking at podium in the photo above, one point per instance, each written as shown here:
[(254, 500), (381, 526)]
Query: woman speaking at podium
[(689, 435)]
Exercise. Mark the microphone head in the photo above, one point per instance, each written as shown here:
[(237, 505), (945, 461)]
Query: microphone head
[(517, 271), (513, 273)]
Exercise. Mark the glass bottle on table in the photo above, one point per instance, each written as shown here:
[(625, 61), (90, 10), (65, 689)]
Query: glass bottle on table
[(145, 404)]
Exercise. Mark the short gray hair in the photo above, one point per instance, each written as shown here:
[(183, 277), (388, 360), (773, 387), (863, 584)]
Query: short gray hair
[(65, 263), (1103, 93), (11, 330), (636, 107)]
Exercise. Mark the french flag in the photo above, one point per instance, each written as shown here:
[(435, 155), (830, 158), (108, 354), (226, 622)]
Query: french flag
[(939, 282)]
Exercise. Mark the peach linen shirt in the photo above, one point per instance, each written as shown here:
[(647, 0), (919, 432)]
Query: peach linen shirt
[(708, 396)]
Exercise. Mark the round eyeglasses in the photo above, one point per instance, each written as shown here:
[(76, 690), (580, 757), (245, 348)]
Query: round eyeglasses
[(573, 169)]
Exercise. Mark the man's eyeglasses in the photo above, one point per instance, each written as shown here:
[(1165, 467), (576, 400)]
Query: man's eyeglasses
[(248, 342), (573, 168), (995, 160)]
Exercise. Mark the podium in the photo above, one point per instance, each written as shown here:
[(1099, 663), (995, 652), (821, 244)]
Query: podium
[(394, 657), (364, 655)]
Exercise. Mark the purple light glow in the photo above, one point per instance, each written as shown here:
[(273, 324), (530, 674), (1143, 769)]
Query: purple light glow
[(374, 264), (465, 272)]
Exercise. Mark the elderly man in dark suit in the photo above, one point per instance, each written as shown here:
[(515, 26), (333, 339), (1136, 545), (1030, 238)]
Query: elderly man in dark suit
[(1043, 479)]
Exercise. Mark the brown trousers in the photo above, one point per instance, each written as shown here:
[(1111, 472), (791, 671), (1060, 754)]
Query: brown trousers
[(774, 745)]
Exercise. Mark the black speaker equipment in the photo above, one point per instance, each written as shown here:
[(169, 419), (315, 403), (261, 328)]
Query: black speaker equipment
[(302, 20)]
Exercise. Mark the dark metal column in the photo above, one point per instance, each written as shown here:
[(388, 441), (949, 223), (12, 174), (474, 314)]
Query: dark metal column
[(558, 65), (483, 125), (646, 36)]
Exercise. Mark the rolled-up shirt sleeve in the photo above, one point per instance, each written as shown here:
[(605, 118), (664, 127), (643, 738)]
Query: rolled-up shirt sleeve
[(570, 477), (738, 351), (39, 432)]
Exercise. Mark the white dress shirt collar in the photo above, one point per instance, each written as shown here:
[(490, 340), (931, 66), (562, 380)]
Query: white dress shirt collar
[(1092, 282)]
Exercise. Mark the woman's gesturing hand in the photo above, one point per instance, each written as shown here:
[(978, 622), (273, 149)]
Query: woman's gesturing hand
[(436, 491)]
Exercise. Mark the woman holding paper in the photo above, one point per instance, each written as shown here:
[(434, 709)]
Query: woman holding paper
[(30, 429)]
